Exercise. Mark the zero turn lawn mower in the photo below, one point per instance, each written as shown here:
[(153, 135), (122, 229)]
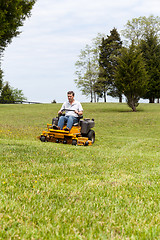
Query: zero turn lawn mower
[(80, 133)]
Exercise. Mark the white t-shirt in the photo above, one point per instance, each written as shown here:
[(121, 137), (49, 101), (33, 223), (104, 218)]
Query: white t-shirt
[(74, 106)]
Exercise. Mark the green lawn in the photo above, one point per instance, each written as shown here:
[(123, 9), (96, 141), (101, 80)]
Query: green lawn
[(110, 190)]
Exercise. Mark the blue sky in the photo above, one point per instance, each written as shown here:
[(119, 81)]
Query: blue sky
[(41, 60)]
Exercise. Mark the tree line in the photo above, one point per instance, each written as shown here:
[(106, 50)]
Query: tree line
[(12, 16), (129, 68)]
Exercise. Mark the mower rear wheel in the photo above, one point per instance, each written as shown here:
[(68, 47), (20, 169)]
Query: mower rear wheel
[(91, 135)]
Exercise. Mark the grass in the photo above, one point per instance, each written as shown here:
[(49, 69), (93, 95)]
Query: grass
[(54, 191)]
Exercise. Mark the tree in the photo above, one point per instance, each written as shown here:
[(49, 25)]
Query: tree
[(7, 94), (1, 75), (109, 50), (87, 68), (101, 87), (11, 95), (151, 52), (131, 76), (145, 33), (85, 73), (138, 28), (18, 95), (12, 15)]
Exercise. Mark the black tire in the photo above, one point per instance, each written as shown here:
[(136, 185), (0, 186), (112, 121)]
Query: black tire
[(43, 139), (65, 141), (74, 142), (91, 135), (86, 143)]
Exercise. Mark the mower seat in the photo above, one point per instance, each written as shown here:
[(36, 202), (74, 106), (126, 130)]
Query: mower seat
[(77, 124)]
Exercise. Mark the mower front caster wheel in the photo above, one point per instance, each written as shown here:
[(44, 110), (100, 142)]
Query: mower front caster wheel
[(74, 142), (43, 139), (86, 143)]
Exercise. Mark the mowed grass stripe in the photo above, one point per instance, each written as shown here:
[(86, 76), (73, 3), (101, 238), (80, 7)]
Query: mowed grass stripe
[(54, 191)]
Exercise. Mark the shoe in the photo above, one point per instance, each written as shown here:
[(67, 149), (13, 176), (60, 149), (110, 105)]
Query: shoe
[(66, 129), (56, 127)]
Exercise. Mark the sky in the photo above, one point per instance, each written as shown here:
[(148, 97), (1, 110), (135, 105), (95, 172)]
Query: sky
[(41, 60)]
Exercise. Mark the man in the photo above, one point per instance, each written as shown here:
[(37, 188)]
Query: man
[(73, 109)]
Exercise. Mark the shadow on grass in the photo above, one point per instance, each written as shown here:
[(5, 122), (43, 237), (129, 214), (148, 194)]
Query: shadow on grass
[(127, 111), (116, 110)]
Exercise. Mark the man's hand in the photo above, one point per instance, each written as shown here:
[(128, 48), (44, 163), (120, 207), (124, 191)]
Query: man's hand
[(79, 113)]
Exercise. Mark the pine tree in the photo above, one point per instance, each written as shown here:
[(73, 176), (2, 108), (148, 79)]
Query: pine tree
[(131, 77), (109, 50), (7, 95), (151, 52)]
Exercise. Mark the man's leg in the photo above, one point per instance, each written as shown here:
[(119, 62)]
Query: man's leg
[(61, 121), (71, 121)]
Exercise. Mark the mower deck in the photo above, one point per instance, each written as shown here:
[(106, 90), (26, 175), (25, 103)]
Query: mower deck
[(73, 136)]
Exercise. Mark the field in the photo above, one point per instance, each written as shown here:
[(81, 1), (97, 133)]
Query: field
[(110, 190)]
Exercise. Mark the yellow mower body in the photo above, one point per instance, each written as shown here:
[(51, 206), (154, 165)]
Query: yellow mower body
[(74, 136)]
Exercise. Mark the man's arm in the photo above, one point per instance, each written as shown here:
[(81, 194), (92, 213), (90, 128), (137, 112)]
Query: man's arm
[(79, 113), (63, 107)]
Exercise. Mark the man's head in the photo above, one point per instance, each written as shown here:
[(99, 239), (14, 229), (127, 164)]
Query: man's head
[(70, 95)]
